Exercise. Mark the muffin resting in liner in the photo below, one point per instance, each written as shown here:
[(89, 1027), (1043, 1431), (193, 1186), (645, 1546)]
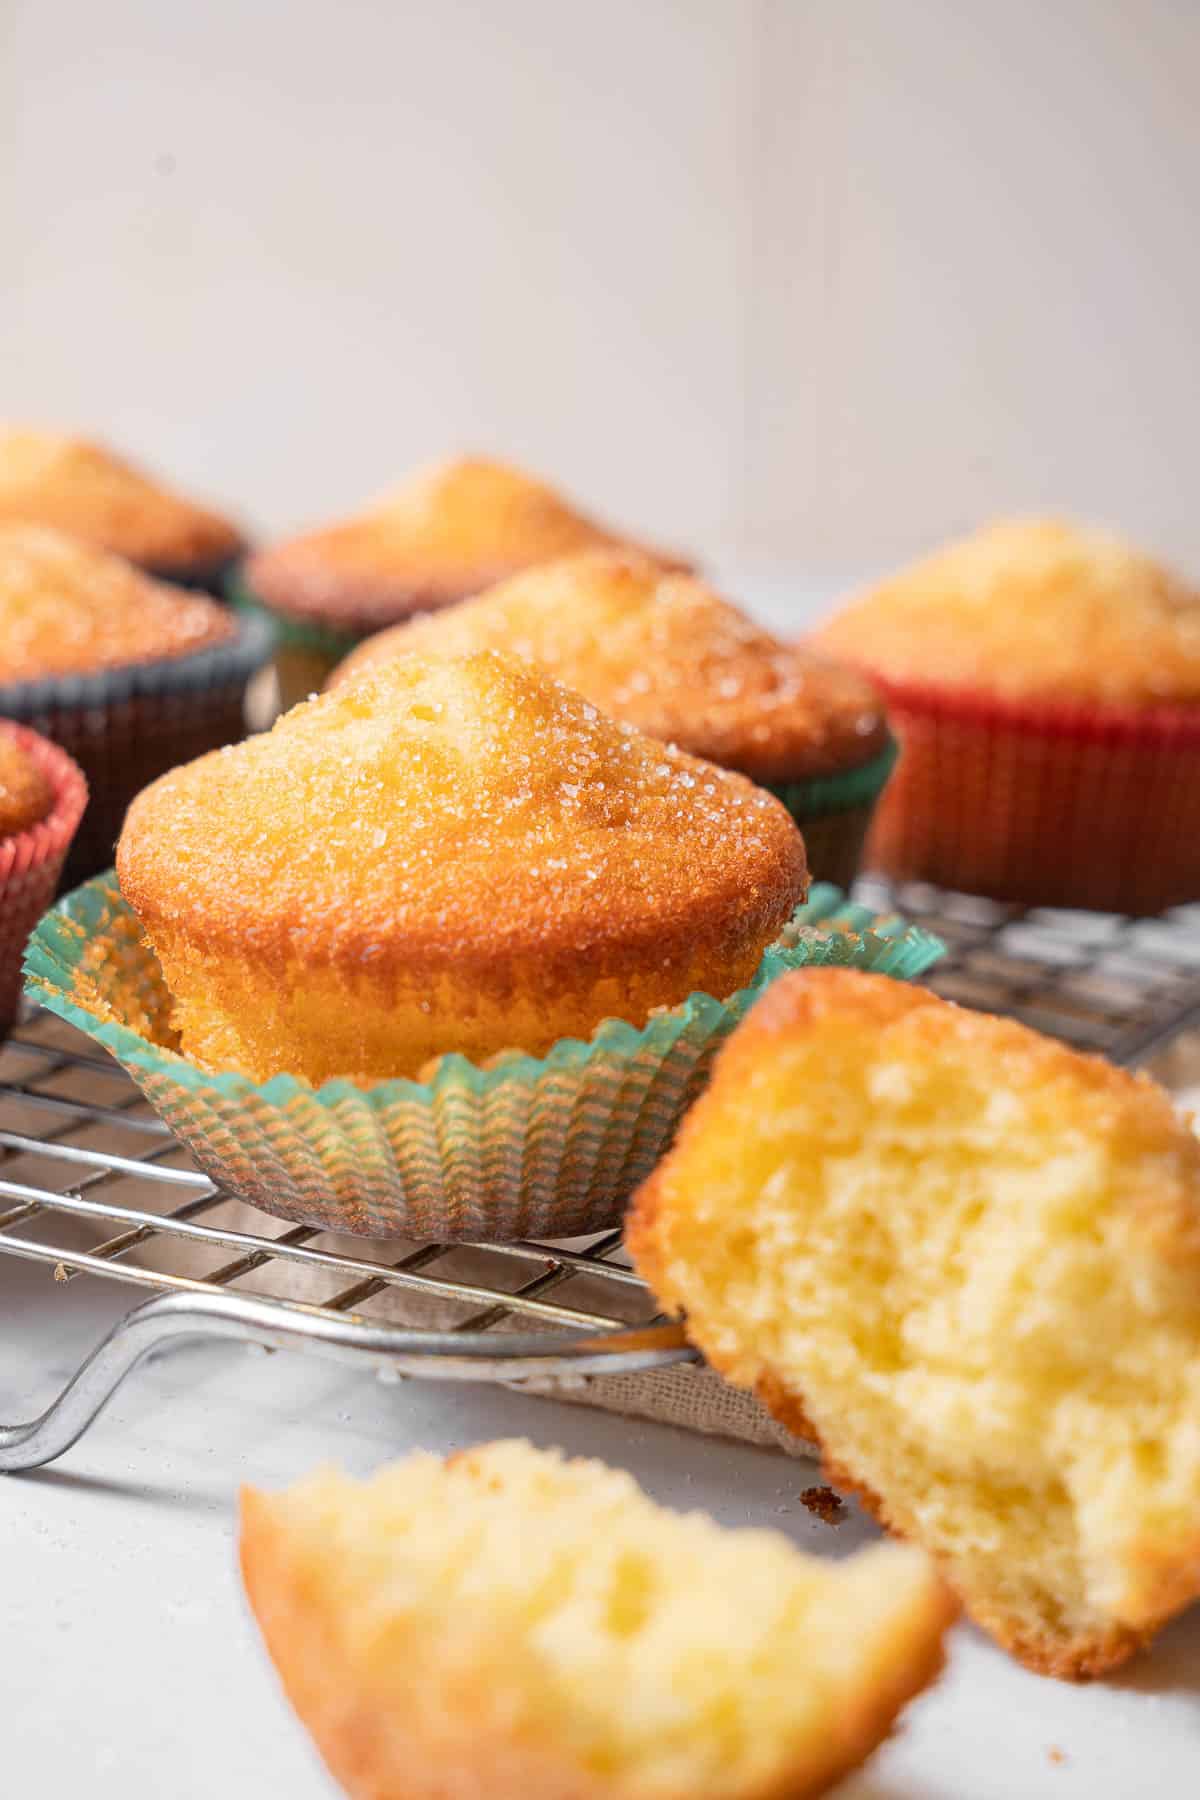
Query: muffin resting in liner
[(75, 485), (667, 652), (1054, 803), (1043, 679), (31, 860), (527, 1146), (445, 532)]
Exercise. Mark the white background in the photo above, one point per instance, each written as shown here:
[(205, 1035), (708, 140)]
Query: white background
[(799, 282), (804, 285)]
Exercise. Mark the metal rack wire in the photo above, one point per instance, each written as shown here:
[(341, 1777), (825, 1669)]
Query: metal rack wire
[(93, 1185)]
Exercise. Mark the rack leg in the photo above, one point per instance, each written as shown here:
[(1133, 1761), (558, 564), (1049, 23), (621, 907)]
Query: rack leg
[(445, 1356)]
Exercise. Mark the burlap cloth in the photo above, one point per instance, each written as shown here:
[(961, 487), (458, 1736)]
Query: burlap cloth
[(689, 1396)]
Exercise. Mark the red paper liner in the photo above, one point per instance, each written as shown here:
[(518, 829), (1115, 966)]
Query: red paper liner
[(1042, 803), (31, 861)]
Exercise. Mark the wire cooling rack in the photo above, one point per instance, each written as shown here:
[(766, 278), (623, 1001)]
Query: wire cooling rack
[(92, 1185)]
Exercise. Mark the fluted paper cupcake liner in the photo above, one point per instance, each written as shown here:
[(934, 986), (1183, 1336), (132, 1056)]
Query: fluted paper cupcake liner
[(528, 1146), (306, 652), (126, 726), (1051, 804), (31, 861), (834, 813)]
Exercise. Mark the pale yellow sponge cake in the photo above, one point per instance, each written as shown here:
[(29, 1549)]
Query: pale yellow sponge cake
[(1031, 609), (967, 1259), (515, 1625), (464, 856)]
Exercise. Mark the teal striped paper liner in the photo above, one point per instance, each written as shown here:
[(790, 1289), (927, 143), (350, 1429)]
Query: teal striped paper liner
[(291, 632), (548, 1146), (834, 814)]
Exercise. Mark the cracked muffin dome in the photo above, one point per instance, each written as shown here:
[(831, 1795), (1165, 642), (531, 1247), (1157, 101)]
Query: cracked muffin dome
[(1034, 609), (67, 608), (49, 478), (458, 855), (514, 1624), (667, 653), (966, 1259), (26, 791), (442, 535)]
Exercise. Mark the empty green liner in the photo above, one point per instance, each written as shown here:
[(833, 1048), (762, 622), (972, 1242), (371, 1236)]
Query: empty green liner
[(529, 1146)]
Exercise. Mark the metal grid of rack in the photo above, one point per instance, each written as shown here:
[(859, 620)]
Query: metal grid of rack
[(93, 1185)]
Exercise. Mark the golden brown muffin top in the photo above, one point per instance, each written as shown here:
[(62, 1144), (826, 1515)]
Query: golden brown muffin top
[(1031, 609), (445, 533), (457, 813), (66, 608), (26, 791), (669, 655), (48, 478)]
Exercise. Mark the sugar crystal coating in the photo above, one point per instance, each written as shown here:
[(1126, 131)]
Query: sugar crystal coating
[(665, 651), (459, 854), (1033, 609), (66, 608), (50, 478), (26, 792), (446, 532)]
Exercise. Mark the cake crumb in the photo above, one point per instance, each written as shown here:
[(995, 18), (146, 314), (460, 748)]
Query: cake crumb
[(824, 1503)]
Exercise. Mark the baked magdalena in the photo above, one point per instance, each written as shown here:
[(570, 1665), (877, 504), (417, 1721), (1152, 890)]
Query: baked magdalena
[(1031, 609), (666, 652), (967, 1259), (443, 534), (1043, 680), (72, 485), (26, 790), (513, 1624), (67, 608), (42, 798), (455, 854)]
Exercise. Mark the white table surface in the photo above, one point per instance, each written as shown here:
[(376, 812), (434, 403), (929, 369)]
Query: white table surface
[(129, 1666)]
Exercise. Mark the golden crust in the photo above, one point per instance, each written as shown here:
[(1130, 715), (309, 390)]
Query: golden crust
[(71, 485), (667, 653), (448, 1723), (444, 534), (1158, 1237), (1031, 610), (462, 855), (66, 608), (26, 792), (1078, 1660)]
